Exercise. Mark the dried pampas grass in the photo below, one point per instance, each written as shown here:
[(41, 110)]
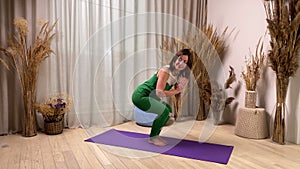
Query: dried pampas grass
[(254, 67), (283, 17), (26, 61)]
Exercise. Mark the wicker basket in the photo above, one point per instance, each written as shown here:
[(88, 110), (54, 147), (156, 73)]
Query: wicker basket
[(251, 123), (53, 128)]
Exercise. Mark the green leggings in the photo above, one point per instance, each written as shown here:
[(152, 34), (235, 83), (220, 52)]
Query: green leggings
[(152, 105)]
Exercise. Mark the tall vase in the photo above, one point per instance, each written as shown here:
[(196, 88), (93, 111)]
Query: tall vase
[(278, 135), (29, 123)]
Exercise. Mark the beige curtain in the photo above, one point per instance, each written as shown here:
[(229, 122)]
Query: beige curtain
[(11, 104), (104, 49)]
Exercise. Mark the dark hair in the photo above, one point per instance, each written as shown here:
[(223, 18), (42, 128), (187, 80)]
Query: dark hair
[(186, 71)]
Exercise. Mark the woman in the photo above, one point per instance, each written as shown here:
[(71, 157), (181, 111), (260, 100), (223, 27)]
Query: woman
[(148, 96)]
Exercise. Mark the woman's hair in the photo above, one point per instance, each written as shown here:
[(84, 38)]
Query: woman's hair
[(186, 71)]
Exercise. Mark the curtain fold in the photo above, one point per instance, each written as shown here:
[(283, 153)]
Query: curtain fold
[(103, 50), (11, 103)]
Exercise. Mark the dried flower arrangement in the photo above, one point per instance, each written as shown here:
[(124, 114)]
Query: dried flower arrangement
[(254, 67), (283, 18), (26, 61), (54, 108)]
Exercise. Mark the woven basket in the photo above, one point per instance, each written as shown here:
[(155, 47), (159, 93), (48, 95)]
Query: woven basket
[(251, 123), (53, 128)]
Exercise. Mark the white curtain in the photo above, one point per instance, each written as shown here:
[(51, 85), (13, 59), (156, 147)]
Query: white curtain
[(104, 49)]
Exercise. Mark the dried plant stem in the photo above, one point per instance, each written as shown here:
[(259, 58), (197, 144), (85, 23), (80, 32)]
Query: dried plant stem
[(4, 63), (253, 67)]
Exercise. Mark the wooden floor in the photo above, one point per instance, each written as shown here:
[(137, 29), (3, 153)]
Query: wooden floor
[(69, 150)]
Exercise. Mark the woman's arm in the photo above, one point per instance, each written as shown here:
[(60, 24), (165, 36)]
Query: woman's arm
[(163, 76)]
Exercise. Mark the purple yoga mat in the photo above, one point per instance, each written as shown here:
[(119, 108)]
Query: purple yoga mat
[(176, 147)]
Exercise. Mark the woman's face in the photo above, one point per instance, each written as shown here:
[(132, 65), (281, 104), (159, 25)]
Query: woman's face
[(180, 62)]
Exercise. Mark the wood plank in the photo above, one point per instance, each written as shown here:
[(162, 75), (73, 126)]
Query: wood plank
[(36, 153), (70, 160), (9, 157), (57, 153), (25, 161), (47, 153), (71, 139)]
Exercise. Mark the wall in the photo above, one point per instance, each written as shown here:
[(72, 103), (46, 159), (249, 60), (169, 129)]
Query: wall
[(247, 21)]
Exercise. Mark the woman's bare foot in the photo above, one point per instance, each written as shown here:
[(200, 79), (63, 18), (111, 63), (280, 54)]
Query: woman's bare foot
[(157, 141), (170, 121)]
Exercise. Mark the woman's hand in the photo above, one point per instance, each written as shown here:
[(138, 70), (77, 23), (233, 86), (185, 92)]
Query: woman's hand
[(175, 91), (182, 83)]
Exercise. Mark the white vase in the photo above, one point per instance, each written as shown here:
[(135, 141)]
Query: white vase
[(250, 99)]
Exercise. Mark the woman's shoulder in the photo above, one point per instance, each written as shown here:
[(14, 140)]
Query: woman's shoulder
[(165, 68)]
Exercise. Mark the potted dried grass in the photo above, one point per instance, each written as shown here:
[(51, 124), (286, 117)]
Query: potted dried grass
[(252, 74), (53, 111), (26, 61), (283, 18)]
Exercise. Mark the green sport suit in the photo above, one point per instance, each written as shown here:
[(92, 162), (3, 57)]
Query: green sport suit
[(144, 97)]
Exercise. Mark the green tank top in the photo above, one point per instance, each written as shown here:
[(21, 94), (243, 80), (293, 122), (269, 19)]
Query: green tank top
[(148, 87)]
